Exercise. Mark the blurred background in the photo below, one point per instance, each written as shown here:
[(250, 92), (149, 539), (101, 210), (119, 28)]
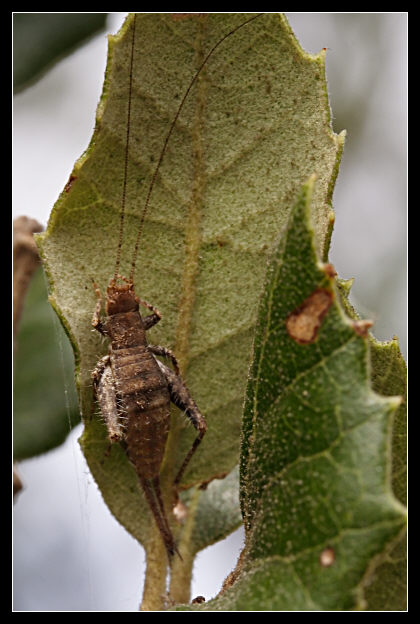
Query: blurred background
[(70, 554)]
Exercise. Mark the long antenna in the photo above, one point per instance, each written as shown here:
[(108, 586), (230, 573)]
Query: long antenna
[(127, 142), (172, 126)]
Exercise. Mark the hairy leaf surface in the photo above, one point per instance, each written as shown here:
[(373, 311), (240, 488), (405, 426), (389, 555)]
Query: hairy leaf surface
[(316, 495), (254, 126)]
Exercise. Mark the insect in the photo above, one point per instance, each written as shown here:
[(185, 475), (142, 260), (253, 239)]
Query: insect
[(133, 388)]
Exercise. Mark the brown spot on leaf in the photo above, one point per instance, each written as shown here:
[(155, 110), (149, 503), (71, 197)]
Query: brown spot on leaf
[(69, 184), (327, 557), (362, 327), (303, 323), (330, 271)]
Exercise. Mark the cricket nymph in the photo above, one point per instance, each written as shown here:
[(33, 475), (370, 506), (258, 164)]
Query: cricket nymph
[(133, 388), (140, 385), (134, 391)]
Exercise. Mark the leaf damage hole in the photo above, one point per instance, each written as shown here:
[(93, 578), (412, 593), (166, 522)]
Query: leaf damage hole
[(304, 322)]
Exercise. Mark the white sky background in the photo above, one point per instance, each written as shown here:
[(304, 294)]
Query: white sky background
[(70, 554)]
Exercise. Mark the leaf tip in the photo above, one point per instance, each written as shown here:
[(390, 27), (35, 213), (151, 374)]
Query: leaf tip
[(346, 285), (361, 327)]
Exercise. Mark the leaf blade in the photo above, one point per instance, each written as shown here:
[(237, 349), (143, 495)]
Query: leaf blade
[(317, 504), (204, 264)]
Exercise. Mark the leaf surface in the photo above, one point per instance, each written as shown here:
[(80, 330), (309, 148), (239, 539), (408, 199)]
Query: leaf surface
[(316, 492), (386, 587), (254, 126), (217, 512)]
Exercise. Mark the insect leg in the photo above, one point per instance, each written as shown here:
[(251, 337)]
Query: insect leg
[(104, 389), (158, 494), (166, 353), (154, 500), (181, 397), (152, 319)]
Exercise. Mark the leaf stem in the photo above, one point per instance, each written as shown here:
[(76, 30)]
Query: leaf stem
[(181, 573), (154, 591)]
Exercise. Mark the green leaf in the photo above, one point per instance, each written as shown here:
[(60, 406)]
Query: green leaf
[(42, 39), (389, 377), (315, 490), (386, 587), (44, 401), (205, 515), (217, 512), (254, 126)]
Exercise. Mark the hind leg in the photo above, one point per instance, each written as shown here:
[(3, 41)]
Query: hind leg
[(104, 390), (154, 500), (181, 397)]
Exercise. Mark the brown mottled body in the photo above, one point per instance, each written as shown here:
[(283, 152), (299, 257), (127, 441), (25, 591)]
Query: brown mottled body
[(134, 391)]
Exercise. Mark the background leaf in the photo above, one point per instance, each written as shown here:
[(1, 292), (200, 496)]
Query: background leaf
[(315, 489), (44, 402), (217, 510), (42, 39), (260, 106)]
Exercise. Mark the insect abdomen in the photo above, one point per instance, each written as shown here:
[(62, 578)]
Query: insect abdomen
[(145, 406)]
